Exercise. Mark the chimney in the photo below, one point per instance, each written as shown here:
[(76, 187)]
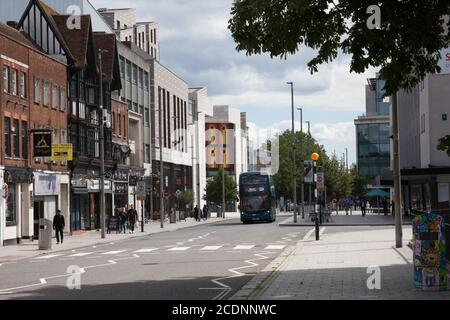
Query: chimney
[(12, 24)]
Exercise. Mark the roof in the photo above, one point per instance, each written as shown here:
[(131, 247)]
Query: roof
[(106, 42), (76, 39), (16, 35)]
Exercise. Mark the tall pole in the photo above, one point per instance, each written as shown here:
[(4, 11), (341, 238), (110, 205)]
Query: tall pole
[(102, 154), (161, 169), (223, 176), (309, 152), (302, 166), (346, 158), (397, 176), (198, 157), (294, 167)]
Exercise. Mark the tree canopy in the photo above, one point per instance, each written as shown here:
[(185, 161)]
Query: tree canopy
[(214, 188), (406, 46)]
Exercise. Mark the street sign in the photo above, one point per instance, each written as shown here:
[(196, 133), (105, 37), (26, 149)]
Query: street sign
[(62, 152), (42, 144), (140, 198), (320, 176), (309, 172), (140, 189)]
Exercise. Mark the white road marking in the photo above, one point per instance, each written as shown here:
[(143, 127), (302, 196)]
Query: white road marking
[(322, 230), (113, 252), (306, 237), (81, 254), (179, 249), (145, 250), (49, 256), (211, 248), (275, 247), (243, 247)]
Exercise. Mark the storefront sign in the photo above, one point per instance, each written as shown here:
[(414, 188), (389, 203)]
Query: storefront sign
[(120, 188), (121, 175), (42, 144), (46, 184), (94, 185), (78, 183), (139, 190), (62, 152), (18, 175)]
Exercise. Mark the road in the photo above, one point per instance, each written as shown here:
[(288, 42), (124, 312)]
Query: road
[(208, 262)]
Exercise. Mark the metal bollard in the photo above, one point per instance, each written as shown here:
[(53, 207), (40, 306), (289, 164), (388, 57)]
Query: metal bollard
[(317, 229)]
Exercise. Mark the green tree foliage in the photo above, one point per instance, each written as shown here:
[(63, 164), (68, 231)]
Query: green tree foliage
[(405, 48), (444, 144), (359, 182), (214, 188)]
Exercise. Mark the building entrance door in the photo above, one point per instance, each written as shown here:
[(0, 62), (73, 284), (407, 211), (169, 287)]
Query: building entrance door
[(38, 214)]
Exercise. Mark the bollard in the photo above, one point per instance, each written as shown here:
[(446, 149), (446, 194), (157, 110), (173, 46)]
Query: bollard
[(317, 229)]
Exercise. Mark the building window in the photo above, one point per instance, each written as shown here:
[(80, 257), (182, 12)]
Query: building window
[(122, 67), (120, 126), (141, 110), (5, 79), (125, 133), (128, 71), (37, 90), (422, 124), (63, 99), (135, 74), (22, 85), (146, 81), (55, 96), (24, 140), (147, 153), (15, 134), (11, 214), (141, 78), (7, 125), (14, 82), (118, 24), (113, 123), (147, 117), (46, 93)]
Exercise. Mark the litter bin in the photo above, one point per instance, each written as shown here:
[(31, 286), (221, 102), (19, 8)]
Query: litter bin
[(430, 263), (45, 234), (172, 216)]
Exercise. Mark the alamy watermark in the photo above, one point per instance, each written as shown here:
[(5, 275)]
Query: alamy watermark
[(374, 21), (374, 280), (74, 280)]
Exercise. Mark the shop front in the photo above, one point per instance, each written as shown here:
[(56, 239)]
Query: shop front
[(17, 192), (50, 194)]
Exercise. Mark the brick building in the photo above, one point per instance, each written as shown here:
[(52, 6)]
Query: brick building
[(33, 95)]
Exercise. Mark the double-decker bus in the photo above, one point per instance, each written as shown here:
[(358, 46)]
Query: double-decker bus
[(257, 197)]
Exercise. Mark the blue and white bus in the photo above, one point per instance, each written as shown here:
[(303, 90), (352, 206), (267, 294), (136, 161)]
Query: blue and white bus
[(257, 197)]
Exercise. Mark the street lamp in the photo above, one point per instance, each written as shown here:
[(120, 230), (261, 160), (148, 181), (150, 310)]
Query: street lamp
[(302, 165), (223, 174), (308, 152), (294, 167), (346, 158), (102, 150)]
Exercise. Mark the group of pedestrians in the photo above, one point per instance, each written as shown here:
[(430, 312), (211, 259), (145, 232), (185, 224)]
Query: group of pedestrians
[(201, 214), (127, 219)]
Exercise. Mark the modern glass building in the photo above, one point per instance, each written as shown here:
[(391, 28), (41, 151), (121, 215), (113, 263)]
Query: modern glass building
[(373, 134)]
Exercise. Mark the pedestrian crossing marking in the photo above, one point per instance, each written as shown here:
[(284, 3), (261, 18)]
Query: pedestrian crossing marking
[(81, 254), (145, 250), (113, 252), (211, 248), (179, 249), (49, 256), (275, 247), (243, 247)]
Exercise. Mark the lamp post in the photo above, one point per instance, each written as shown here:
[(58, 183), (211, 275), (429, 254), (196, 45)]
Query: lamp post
[(161, 169), (346, 158), (223, 172), (294, 167), (102, 151), (302, 166), (308, 152), (198, 157)]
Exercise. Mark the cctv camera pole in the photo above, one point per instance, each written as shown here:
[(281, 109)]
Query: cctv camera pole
[(102, 154)]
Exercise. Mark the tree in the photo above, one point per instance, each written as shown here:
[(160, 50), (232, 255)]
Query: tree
[(359, 182), (444, 144), (214, 188), (406, 46)]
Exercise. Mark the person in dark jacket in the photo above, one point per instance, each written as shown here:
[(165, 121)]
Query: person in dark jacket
[(205, 212), (132, 218), (58, 226)]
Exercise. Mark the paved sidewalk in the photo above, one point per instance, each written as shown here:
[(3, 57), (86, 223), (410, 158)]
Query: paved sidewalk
[(336, 268), (355, 219), (30, 249)]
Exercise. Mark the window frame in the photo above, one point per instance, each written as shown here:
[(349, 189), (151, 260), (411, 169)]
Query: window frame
[(5, 79)]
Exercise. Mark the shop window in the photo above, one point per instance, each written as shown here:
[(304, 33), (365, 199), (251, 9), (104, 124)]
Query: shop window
[(11, 214)]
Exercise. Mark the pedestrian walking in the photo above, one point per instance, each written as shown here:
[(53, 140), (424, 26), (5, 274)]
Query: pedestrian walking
[(123, 220), (132, 218), (385, 206), (197, 213), (58, 226), (363, 207), (205, 212)]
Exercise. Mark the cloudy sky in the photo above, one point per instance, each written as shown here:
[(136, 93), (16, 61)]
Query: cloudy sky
[(196, 44)]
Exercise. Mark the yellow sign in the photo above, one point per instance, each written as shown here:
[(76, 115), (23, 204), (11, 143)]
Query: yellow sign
[(62, 152), (141, 198)]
